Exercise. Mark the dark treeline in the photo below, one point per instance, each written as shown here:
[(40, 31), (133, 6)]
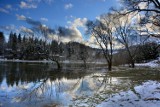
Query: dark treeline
[(144, 53), (32, 48), (22, 47), (27, 73)]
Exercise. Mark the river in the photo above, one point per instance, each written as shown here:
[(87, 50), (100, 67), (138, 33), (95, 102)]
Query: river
[(41, 85)]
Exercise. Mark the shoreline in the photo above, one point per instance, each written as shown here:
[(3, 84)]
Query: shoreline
[(32, 61), (48, 61)]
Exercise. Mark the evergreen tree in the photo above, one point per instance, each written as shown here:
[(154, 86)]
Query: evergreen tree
[(19, 38), (10, 40), (2, 41), (14, 42), (24, 39)]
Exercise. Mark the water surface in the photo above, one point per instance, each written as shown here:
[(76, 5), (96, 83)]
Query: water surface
[(37, 84)]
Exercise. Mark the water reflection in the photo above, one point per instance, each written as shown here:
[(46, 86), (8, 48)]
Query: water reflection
[(26, 84), (23, 84)]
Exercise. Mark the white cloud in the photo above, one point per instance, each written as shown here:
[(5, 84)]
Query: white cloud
[(68, 6), (72, 32), (142, 5), (44, 19), (77, 36), (79, 22), (25, 5), (28, 4), (92, 42), (26, 30), (8, 28), (38, 1), (4, 10), (10, 7), (21, 17)]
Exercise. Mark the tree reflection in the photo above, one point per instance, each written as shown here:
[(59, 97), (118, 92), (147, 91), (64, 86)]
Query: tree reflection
[(36, 82)]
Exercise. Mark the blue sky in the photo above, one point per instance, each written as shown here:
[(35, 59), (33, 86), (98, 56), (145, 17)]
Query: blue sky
[(51, 13)]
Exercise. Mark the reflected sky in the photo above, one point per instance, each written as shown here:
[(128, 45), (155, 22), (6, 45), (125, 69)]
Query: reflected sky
[(24, 84)]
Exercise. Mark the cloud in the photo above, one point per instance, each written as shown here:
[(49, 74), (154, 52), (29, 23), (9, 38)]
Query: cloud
[(28, 20), (11, 8), (91, 42), (44, 19), (4, 10), (38, 1), (38, 27), (79, 22), (21, 17), (26, 30), (68, 6), (70, 34), (33, 22), (25, 5), (142, 5), (8, 28)]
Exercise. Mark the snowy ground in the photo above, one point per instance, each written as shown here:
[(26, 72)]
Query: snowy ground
[(154, 63), (145, 95), (17, 60), (50, 61)]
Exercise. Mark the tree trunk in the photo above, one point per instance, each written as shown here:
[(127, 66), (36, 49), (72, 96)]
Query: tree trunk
[(110, 66), (58, 64), (132, 64)]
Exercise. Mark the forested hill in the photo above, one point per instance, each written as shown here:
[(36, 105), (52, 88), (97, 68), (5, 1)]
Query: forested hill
[(33, 48)]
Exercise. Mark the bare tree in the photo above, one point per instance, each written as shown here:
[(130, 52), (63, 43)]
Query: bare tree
[(42, 32), (127, 35), (149, 9), (102, 30)]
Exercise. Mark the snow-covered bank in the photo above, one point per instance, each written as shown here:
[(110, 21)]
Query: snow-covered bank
[(49, 61), (154, 63), (32, 61), (145, 95)]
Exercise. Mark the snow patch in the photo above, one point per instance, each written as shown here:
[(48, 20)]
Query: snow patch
[(154, 63), (145, 95)]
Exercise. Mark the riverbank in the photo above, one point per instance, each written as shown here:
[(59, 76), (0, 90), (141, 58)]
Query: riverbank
[(50, 61)]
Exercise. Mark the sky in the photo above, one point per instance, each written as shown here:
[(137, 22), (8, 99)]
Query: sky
[(23, 15)]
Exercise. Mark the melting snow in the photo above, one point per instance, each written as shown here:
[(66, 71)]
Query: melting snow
[(145, 95), (150, 64)]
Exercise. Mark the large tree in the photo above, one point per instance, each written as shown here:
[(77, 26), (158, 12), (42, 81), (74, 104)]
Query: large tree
[(102, 30), (127, 35)]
